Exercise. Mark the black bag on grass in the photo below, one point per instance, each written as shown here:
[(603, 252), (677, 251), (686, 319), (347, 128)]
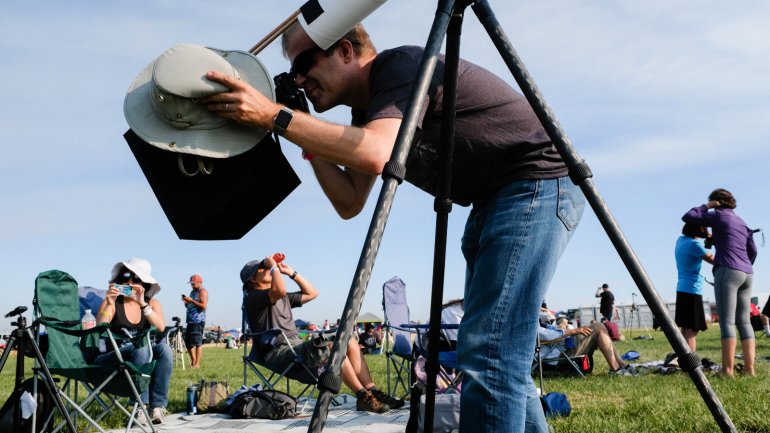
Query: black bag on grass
[(44, 407), (270, 404)]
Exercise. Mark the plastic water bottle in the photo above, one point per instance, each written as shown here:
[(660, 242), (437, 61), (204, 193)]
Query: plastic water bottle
[(89, 321)]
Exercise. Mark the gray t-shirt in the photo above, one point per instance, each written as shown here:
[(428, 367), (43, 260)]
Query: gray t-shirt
[(498, 138), (263, 315)]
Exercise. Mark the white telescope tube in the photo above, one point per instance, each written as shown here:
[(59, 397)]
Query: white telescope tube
[(326, 21)]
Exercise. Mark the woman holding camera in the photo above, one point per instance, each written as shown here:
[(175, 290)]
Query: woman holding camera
[(733, 272), (129, 304)]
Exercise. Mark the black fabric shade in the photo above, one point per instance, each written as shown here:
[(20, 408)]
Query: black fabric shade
[(225, 204)]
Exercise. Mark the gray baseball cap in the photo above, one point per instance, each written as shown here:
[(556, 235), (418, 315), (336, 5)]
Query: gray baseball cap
[(249, 269)]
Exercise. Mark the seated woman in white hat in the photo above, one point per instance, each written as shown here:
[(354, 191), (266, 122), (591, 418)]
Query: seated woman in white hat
[(138, 310)]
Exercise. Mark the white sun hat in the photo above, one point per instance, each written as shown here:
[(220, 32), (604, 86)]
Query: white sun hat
[(142, 269), (162, 105)]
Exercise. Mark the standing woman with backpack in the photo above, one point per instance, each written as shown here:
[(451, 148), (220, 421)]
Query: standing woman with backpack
[(733, 273)]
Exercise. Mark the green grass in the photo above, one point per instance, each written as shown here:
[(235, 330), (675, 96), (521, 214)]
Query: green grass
[(647, 403)]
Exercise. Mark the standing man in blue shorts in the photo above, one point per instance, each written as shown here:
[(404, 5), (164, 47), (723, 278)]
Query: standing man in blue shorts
[(196, 304)]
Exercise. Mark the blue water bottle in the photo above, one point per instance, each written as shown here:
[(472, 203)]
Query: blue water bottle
[(192, 399)]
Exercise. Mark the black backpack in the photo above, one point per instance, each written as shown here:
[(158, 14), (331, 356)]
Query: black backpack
[(270, 404), (44, 407)]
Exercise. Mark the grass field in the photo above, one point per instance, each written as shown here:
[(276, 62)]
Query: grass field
[(646, 403)]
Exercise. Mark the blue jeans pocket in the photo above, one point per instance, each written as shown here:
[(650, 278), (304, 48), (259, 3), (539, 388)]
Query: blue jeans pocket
[(571, 203)]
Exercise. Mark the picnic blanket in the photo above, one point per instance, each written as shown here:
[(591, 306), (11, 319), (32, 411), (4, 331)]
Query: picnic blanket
[(341, 419)]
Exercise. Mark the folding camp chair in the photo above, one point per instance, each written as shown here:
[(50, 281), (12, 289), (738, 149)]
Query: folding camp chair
[(57, 306), (580, 364), (297, 375), (410, 343)]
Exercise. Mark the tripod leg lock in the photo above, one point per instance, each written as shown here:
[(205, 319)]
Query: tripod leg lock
[(442, 205), (689, 362), (395, 170), (580, 172), (329, 381)]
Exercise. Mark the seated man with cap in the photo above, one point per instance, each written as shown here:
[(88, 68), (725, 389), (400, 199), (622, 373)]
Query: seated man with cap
[(139, 311), (268, 306), (584, 341)]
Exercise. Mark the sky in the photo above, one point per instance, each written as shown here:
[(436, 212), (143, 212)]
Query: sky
[(665, 101)]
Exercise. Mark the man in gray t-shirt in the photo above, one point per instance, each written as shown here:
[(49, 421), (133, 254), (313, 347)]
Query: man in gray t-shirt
[(524, 212), (268, 306)]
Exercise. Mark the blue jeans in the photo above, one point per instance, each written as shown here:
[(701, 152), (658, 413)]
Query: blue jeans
[(511, 246), (161, 375)]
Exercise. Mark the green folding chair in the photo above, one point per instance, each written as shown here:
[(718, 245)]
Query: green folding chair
[(57, 306)]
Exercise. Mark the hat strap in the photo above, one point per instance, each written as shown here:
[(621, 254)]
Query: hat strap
[(203, 168)]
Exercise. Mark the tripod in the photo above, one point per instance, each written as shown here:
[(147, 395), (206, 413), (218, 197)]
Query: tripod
[(22, 338), (176, 342), (394, 172), (636, 315)]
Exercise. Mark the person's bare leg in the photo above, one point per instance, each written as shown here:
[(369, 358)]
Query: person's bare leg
[(728, 356), (604, 343), (349, 376), (690, 336), (748, 348), (198, 356), (358, 363), (193, 357)]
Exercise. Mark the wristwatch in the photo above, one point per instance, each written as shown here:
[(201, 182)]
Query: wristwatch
[(282, 120)]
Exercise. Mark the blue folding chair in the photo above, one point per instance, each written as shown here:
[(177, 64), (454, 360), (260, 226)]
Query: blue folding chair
[(410, 343)]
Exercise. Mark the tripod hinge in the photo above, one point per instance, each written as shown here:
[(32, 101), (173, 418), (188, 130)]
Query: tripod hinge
[(329, 381), (689, 362), (394, 169), (580, 172)]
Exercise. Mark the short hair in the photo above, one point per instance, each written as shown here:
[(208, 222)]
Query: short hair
[(368, 326), (605, 286), (725, 198), (692, 230), (358, 37)]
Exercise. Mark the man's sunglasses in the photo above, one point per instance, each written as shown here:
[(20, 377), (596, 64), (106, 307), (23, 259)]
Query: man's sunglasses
[(125, 277), (304, 62)]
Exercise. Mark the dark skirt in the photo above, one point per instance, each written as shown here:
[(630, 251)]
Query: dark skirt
[(689, 311)]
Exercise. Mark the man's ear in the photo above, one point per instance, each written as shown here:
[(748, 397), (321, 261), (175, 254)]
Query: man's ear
[(345, 48)]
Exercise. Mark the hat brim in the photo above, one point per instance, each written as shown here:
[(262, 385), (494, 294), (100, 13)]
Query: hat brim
[(139, 272), (230, 140)]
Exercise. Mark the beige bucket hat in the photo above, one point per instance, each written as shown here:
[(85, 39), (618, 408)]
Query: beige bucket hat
[(162, 105)]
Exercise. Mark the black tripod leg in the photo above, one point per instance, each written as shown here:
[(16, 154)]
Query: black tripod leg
[(581, 176), (443, 206), (393, 175), (53, 391)]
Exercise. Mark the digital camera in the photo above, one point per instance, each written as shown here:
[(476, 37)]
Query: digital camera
[(124, 289)]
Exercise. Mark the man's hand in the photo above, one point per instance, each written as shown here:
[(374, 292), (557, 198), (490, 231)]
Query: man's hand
[(243, 104), (285, 269), (583, 330)]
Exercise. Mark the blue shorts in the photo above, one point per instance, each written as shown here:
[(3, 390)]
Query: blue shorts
[(193, 335)]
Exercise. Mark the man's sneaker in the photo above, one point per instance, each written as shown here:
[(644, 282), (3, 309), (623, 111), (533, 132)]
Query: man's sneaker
[(157, 415), (369, 403), (393, 402), (140, 418), (628, 370)]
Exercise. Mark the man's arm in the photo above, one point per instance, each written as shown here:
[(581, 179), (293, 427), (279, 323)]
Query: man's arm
[(203, 303), (364, 150), (598, 292), (708, 258), (309, 292)]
